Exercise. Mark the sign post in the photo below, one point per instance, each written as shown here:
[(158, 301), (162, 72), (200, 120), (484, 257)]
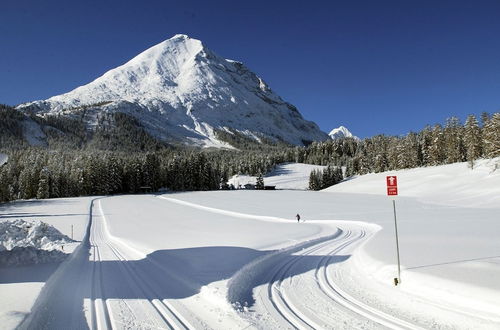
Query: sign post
[(392, 190)]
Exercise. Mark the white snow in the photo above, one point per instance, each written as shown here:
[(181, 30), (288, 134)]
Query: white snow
[(30, 242), (294, 176), (182, 91), (186, 259), (36, 234), (20, 286), (341, 132), (3, 159), (33, 133)]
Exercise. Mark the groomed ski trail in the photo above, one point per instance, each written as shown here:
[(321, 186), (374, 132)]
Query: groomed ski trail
[(278, 304), (93, 288)]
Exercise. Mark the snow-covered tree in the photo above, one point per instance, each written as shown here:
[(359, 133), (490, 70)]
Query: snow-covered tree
[(491, 134), (472, 139)]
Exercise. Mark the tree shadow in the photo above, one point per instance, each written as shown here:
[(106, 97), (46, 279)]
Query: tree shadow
[(181, 273), (279, 171), (165, 274), (27, 274)]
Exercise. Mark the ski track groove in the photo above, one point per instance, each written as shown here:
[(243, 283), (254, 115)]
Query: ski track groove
[(341, 297), (293, 315), (171, 318), (278, 297)]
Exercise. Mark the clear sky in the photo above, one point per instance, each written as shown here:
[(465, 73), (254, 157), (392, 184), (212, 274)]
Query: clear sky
[(373, 66)]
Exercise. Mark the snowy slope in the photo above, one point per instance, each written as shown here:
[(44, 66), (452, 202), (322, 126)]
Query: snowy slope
[(341, 132), (182, 91), (454, 184), (285, 176)]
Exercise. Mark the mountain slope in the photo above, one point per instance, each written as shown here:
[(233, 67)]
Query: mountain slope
[(181, 91)]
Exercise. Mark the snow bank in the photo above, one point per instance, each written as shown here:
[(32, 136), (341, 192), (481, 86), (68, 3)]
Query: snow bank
[(30, 242)]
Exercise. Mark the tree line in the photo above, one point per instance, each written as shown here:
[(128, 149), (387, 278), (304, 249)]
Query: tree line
[(105, 166)]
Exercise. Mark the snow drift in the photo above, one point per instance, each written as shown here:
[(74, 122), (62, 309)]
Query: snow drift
[(30, 242)]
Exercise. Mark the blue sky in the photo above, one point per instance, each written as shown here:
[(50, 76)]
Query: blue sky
[(374, 66)]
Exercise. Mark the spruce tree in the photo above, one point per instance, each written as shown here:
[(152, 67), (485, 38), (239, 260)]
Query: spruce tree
[(43, 184), (260, 182), (472, 140), (491, 134)]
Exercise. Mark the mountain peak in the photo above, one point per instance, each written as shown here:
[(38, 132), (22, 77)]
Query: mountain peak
[(341, 132), (182, 91)]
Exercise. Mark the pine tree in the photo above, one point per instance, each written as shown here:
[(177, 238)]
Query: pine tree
[(454, 148), (472, 140), (436, 149), (44, 184), (260, 182), (491, 134)]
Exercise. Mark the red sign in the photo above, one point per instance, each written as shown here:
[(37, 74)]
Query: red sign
[(392, 185)]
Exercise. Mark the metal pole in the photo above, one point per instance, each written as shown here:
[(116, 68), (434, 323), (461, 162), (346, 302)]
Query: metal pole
[(397, 240), (71, 231)]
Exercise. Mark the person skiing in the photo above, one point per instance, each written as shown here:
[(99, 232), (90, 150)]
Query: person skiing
[(298, 217)]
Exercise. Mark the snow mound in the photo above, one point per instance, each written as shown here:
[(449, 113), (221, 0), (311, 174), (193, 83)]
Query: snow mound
[(30, 242)]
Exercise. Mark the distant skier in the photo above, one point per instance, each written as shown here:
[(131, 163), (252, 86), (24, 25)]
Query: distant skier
[(298, 217)]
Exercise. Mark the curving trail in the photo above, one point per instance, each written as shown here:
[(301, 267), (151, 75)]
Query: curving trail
[(315, 299), (313, 284)]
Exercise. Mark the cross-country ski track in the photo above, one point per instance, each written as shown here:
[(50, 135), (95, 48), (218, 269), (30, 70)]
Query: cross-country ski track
[(112, 283)]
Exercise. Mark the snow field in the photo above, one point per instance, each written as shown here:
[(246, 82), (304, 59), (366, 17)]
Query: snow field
[(291, 176), (185, 260)]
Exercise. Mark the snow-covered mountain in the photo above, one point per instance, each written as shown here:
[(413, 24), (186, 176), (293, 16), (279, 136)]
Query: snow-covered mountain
[(341, 132), (180, 91)]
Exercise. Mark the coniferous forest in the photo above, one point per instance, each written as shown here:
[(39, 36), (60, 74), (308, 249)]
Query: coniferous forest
[(118, 156)]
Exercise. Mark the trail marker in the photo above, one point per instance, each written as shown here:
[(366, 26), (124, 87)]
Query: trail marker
[(392, 185), (392, 190)]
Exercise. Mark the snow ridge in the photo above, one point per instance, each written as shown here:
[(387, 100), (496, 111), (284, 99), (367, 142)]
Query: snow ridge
[(182, 91)]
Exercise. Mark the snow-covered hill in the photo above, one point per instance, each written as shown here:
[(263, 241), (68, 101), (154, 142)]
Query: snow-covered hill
[(341, 132), (453, 184), (182, 91)]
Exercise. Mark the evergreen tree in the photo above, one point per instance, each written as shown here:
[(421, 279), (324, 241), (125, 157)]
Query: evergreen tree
[(454, 148), (260, 182), (43, 184), (436, 149), (491, 133), (472, 140), (315, 180)]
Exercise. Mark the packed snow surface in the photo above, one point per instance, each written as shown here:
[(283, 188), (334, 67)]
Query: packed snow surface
[(239, 259), (179, 90)]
